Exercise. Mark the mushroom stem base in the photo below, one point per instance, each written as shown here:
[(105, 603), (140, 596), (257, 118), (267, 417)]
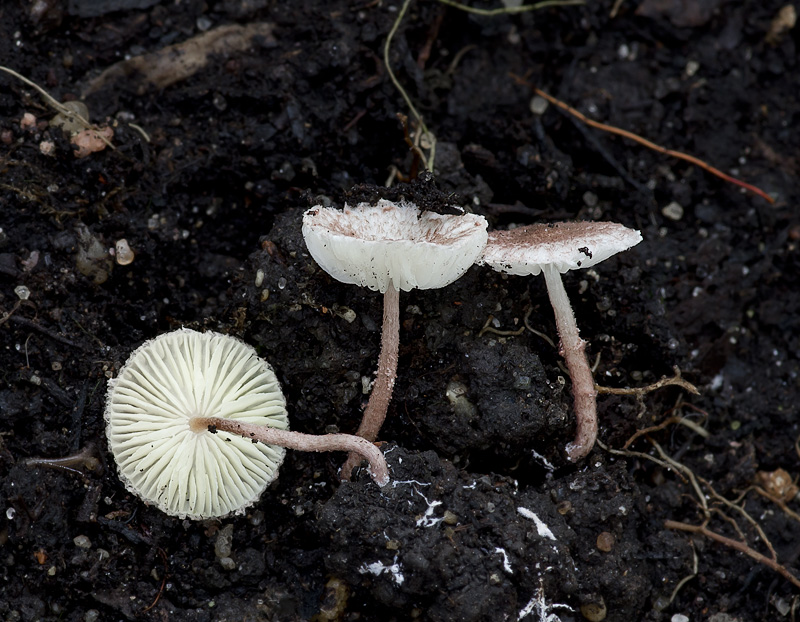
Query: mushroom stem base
[(573, 349), (378, 405)]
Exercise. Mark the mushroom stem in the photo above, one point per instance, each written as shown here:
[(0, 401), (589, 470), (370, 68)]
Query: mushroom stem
[(303, 442), (573, 349), (375, 412)]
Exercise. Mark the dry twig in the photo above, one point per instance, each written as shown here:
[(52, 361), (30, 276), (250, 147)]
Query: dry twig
[(700, 486), (675, 380), (642, 141), (736, 546)]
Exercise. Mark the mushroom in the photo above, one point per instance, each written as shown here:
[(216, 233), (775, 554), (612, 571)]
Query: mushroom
[(388, 247), (179, 385), (554, 249)]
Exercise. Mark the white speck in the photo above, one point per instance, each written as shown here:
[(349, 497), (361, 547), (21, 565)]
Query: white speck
[(543, 460), (506, 562), (398, 482), (716, 383), (542, 608), (378, 568), (538, 105), (427, 519), (544, 530), (472, 486), (673, 211), (10, 513), (679, 617)]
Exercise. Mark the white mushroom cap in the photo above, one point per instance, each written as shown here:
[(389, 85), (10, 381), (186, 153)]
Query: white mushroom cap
[(168, 381), (565, 246), (375, 245)]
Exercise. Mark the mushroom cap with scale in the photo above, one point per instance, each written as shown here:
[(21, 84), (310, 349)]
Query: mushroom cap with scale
[(565, 246), (393, 243)]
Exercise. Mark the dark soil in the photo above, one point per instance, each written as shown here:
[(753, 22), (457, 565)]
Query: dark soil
[(485, 519)]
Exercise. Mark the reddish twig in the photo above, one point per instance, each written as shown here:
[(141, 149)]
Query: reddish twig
[(643, 141), (735, 545), (163, 581)]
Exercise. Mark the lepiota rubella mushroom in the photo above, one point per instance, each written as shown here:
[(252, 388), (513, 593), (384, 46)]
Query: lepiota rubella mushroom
[(176, 388), (388, 247), (554, 249)]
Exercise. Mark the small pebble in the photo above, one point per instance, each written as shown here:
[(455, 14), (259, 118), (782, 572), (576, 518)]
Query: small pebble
[(28, 121), (22, 292), (224, 542), (123, 253), (539, 105), (564, 508), (82, 542), (590, 199), (594, 612), (673, 211), (605, 541)]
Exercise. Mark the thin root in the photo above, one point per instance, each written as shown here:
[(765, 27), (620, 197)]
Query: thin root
[(534, 331), (676, 380), (495, 331), (736, 546)]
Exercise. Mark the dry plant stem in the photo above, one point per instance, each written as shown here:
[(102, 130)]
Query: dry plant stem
[(57, 105), (675, 380), (375, 412), (303, 442), (737, 546), (573, 349)]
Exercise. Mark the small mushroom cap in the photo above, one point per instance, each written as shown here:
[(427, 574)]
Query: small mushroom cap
[(564, 245), (375, 245), (167, 382)]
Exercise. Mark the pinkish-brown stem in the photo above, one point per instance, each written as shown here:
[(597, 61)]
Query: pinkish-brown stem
[(303, 442), (375, 412), (573, 349)]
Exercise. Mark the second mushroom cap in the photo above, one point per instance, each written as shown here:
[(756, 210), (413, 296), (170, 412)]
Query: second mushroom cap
[(564, 245)]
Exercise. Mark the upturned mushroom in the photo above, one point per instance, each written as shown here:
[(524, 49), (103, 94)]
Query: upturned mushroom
[(176, 388), (554, 249), (388, 247)]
